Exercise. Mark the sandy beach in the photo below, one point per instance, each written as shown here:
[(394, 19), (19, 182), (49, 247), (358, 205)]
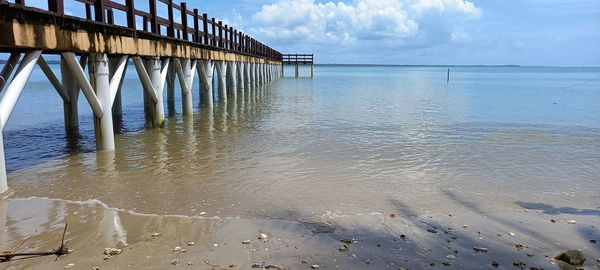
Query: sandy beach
[(465, 239)]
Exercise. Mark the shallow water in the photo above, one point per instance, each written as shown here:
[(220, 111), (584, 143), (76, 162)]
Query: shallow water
[(353, 139), (312, 161)]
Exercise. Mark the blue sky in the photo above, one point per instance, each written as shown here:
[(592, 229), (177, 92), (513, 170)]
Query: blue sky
[(524, 32)]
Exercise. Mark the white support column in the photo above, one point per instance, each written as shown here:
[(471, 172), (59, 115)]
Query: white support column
[(153, 76), (69, 84), (155, 69), (262, 74), (52, 78), (171, 83), (222, 79), (3, 182), (265, 75), (241, 73), (88, 91), (259, 77), (171, 89), (15, 88), (256, 74), (9, 100), (248, 78), (8, 68), (233, 82), (296, 70), (100, 91), (100, 82), (185, 70), (118, 69), (205, 72), (264, 71), (253, 81)]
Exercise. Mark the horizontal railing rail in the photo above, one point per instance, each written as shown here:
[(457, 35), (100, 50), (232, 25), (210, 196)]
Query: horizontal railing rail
[(193, 26)]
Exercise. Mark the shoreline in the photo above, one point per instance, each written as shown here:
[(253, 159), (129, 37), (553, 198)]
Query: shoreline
[(383, 240)]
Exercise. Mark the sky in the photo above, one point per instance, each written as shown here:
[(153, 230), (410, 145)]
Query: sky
[(460, 32)]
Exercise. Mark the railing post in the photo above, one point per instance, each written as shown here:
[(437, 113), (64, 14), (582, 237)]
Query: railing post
[(205, 28), (231, 38), (197, 27), (99, 11), (88, 11), (220, 34), (214, 32), (109, 16), (225, 37), (153, 22), (236, 44), (145, 27), (184, 23), (245, 43), (171, 31), (56, 6), (130, 13), (242, 39)]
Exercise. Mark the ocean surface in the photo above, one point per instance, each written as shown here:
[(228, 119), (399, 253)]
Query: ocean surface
[(353, 139)]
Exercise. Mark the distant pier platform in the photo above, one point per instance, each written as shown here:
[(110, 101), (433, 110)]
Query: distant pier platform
[(299, 60)]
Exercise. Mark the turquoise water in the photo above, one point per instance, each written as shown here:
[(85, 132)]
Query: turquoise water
[(351, 139)]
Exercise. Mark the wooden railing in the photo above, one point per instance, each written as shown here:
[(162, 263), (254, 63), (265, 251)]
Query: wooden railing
[(200, 29), (297, 58)]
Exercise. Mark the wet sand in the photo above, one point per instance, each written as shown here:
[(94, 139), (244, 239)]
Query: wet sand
[(382, 240)]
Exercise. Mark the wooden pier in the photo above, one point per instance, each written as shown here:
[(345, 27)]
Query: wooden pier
[(298, 60), (163, 50)]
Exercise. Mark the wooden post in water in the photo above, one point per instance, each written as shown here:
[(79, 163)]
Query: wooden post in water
[(296, 70)]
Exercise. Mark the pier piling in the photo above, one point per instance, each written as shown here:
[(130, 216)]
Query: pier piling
[(8, 68), (222, 79), (69, 84), (100, 82), (232, 78), (205, 70), (185, 69)]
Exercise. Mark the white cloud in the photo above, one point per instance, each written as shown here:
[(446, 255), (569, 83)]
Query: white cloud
[(460, 6), (395, 22)]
